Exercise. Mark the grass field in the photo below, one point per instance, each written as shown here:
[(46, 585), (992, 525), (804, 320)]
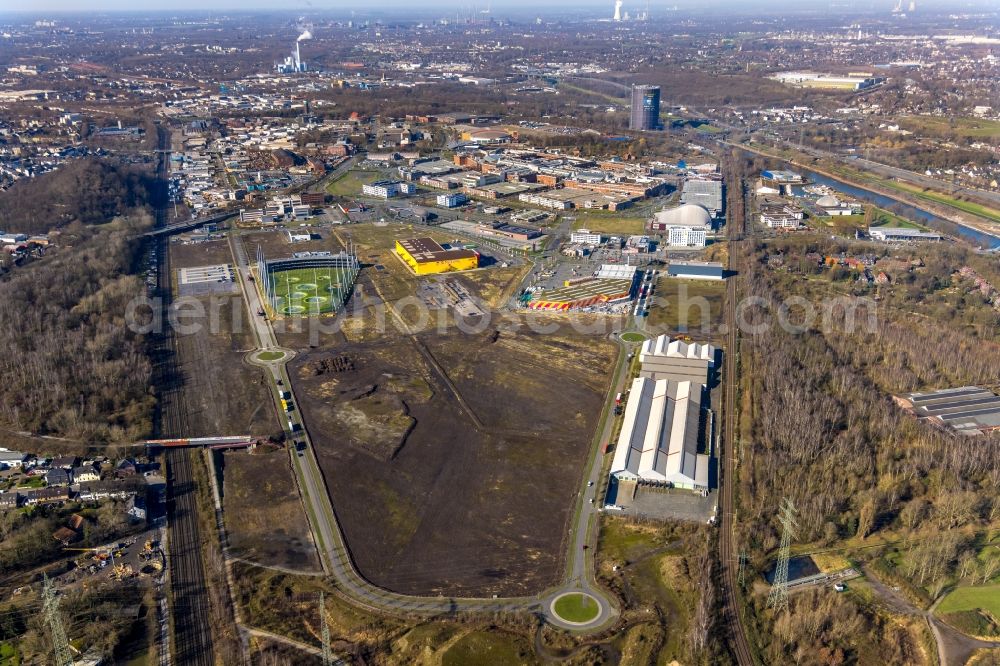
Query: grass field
[(937, 197), (633, 337), (577, 608), (687, 305), (845, 225), (489, 649), (349, 185), (986, 597), (965, 127), (307, 291), (9, 655), (884, 218), (610, 224)]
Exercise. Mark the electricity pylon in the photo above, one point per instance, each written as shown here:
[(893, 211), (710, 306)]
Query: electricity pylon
[(50, 606), (325, 632), (778, 596)]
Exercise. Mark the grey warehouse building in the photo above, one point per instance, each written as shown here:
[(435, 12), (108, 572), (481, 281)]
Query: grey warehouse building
[(707, 193), (678, 360), (695, 270), (969, 410)]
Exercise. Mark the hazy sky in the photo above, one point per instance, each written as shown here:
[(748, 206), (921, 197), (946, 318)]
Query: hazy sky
[(444, 7)]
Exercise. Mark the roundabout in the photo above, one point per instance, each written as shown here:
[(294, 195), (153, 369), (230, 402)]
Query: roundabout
[(576, 609)]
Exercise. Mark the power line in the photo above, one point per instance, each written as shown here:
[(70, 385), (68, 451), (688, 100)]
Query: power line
[(60, 644), (325, 632), (778, 596)]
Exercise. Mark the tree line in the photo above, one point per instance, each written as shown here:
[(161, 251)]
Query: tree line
[(817, 408), (89, 191), (72, 366)]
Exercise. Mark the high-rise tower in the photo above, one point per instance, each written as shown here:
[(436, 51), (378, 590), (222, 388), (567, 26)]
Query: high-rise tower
[(618, 10), (645, 108)]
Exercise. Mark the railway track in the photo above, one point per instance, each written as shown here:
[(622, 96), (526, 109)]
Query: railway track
[(189, 610), (736, 230)]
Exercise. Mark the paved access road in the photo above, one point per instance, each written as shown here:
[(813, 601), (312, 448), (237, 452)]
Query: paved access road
[(333, 550)]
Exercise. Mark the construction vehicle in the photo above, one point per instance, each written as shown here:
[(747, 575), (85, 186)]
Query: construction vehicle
[(101, 555), (121, 572)]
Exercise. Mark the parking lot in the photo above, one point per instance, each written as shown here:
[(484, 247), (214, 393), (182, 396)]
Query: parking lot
[(661, 503), (214, 279)]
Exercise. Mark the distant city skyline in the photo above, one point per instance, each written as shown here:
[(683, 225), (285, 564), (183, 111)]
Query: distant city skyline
[(499, 7)]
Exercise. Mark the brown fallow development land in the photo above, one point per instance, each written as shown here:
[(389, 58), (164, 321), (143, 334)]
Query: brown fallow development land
[(453, 459)]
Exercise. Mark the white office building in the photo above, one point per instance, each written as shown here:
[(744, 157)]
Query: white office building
[(686, 237), (451, 200), (585, 237), (386, 189)]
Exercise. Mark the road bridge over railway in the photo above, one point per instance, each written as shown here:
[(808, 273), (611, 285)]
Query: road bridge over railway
[(186, 225), (221, 442)]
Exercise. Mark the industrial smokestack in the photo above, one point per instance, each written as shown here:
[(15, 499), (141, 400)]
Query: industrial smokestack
[(298, 57), (618, 10)]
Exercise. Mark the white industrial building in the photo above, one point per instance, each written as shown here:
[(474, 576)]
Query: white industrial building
[(832, 206), (451, 200), (298, 236), (11, 459), (677, 360), (660, 435), (684, 226), (386, 189), (585, 237), (616, 272), (901, 234)]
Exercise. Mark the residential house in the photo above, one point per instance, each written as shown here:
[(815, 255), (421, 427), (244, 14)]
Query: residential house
[(65, 462), (125, 468), (136, 507), (46, 495), (10, 500), (98, 490), (85, 473), (57, 476), (65, 535)]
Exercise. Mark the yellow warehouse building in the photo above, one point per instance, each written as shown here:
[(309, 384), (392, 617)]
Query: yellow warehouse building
[(425, 256)]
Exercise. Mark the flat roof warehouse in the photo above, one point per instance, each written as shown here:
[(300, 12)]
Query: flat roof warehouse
[(427, 249), (969, 410), (424, 256)]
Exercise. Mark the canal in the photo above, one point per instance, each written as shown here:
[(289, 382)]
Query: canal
[(919, 215)]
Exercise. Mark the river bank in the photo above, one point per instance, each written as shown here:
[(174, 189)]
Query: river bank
[(933, 216)]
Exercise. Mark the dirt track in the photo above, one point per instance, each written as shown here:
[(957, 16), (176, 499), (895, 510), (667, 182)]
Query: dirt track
[(449, 508)]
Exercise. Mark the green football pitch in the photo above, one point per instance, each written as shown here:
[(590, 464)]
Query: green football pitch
[(307, 290)]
